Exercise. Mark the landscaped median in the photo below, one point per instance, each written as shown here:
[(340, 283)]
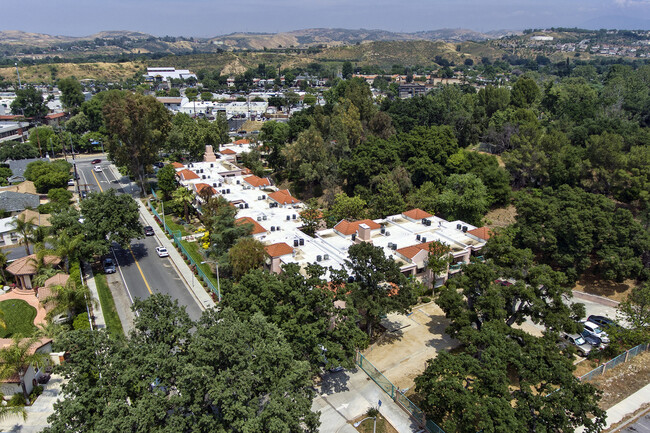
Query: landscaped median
[(113, 322)]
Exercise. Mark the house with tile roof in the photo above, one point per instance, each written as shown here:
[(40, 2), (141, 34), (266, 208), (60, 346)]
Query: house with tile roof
[(257, 182), (283, 198), (349, 228), (8, 234), (276, 252), (186, 175), (257, 227), (24, 269), (11, 385)]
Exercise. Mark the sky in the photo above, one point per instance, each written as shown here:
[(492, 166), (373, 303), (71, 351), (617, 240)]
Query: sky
[(205, 18)]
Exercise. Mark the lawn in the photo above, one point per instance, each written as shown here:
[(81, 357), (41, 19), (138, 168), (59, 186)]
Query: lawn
[(113, 322), (19, 317), (193, 249)]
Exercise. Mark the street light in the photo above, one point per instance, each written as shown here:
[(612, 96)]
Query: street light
[(218, 283), (374, 426)]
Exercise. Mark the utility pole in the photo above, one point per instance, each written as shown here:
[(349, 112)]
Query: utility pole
[(20, 86)]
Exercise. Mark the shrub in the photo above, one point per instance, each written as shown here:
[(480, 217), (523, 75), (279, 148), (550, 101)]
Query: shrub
[(18, 399), (425, 299), (38, 390), (81, 321)]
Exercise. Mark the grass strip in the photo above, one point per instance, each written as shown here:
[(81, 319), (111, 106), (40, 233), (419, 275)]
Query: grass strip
[(113, 322)]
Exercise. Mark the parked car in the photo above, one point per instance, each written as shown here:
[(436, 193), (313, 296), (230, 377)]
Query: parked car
[(62, 318), (98, 168), (596, 331), (148, 231), (162, 252), (593, 340), (71, 182), (109, 266), (602, 321), (95, 161), (159, 164), (84, 194), (581, 345)]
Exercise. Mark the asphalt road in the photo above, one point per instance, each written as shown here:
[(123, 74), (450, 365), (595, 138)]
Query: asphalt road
[(641, 425), (144, 272)]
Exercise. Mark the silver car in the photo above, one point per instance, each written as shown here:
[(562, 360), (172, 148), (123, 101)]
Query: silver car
[(581, 345)]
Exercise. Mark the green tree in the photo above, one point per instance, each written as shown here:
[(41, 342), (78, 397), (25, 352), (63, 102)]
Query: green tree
[(109, 217), (438, 260), (274, 136), (29, 103), (464, 197), (524, 93), (138, 126), (379, 287), (71, 93), (347, 70), (166, 378), (247, 254), (16, 358), (167, 180), (635, 312), (25, 228), (183, 197), (311, 217), (67, 299), (346, 208), (45, 139), (388, 199), (219, 219), (78, 124)]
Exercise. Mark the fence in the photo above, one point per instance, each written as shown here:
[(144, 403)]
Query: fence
[(623, 357), (395, 394), (176, 236)]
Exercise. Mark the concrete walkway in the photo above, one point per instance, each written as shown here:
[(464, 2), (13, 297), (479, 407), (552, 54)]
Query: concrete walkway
[(624, 408), (100, 323), (37, 413), (346, 395)]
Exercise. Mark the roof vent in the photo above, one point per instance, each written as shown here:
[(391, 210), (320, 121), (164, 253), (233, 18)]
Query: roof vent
[(272, 228), (424, 240), (459, 226), (295, 242), (417, 237), (326, 257), (302, 241), (319, 258)]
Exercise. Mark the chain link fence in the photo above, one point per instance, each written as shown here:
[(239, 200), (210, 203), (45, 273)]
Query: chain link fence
[(623, 357)]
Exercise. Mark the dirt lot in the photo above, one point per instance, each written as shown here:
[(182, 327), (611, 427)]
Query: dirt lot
[(623, 380), (610, 289), (501, 217), (402, 353)]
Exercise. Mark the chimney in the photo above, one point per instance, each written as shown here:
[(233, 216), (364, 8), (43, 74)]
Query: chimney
[(364, 232)]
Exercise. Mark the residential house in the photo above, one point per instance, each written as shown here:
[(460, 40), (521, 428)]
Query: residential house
[(8, 235), (12, 385), (15, 202), (276, 252), (25, 268)]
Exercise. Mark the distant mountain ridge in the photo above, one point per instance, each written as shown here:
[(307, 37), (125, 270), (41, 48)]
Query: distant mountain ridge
[(296, 38)]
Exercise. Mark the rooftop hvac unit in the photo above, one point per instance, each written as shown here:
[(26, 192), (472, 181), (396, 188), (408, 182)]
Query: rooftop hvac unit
[(424, 240), (302, 242), (387, 233), (295, 242), (354, 237), (424, 221), (241, 206), (326, 257), (417, 237), (238, 182), (245, 205), (272, 228), (264, 217), (203, 176), (214, 185), (211, 165), (293, 216), (263, 196), (277, 228), (228, 190), (428, 223), (220, 184), (259, 218), (259, 197), (464, 229), (383, 230), (319, 258), (390, 245), (394, 247), (288, 218), (459, 226), (350, 279)]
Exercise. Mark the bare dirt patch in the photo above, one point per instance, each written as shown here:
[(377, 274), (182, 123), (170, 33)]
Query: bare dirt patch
[(595, 285), (501, 217), (383, 426), (623, 380)]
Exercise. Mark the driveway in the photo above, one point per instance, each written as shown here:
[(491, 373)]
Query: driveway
[(37, 414)]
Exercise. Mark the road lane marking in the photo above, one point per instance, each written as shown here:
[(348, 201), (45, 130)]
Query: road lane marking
[(100, 187), (141, 273)]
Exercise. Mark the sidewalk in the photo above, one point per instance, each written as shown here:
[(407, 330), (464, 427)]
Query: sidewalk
[(346, 395), (100, 323), (37, 413), (624, 408), (191, 281)]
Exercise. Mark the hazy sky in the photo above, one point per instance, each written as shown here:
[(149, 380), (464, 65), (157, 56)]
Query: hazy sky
[(216, 17)]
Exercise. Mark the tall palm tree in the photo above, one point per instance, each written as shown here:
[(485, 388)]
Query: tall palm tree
[(16, 359), (6, 411), (26, 229), (66, 247), (67, 298), (183, 196)]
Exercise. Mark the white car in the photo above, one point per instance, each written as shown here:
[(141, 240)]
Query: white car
[(98, 168), (595, 330), (162, 252)]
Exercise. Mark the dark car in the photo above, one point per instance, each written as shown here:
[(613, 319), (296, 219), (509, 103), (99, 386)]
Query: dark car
[(109, 266), (159, 164), (148, 231), (593, 340), (95, 161), (603, 321)]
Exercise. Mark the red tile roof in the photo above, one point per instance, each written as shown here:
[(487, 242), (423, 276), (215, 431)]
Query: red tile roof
[(257, 181), (27, 265), (186, 174), (177, 165), (228, 152), (242, 141), (283, 196), (201, 186), (54, 115), (257, 228), (346, 227), (417, 214), (481, 232), (278, 250), (57, 280), (412, 250)]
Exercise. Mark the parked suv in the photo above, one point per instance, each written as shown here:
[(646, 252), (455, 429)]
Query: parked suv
[(595, 330), (109, 266), (581, 345), (593, 340), (602, 321)]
